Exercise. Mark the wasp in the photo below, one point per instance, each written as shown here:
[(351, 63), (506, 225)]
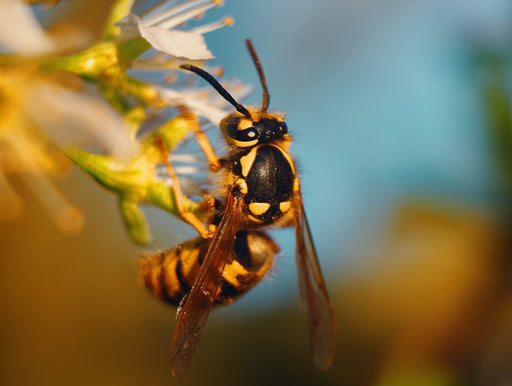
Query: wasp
[(259, 189)]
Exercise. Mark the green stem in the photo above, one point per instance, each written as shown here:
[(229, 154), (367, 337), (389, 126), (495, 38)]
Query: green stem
[(120, 9), (134, 220), (96, 61)]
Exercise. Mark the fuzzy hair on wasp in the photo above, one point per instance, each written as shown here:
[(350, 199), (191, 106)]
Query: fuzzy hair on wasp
[(260, 189)]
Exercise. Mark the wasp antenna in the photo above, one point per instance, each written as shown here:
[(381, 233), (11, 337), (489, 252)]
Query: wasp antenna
[(261, 74), (217, 86)]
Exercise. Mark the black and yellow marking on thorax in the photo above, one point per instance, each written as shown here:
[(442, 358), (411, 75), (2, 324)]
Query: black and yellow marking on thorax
[(269, 173)]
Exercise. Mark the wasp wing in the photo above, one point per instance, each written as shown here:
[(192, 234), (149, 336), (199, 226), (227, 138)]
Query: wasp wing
[(195, 308), (314, 298)]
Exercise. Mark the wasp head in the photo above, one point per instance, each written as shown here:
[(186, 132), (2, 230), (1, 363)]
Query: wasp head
[(244, 132)]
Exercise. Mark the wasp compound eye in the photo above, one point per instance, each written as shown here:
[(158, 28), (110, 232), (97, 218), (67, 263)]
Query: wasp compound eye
[(242, 131), (284, 128), (249, 134)]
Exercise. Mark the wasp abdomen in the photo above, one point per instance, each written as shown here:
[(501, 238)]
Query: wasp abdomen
[(170, 274)]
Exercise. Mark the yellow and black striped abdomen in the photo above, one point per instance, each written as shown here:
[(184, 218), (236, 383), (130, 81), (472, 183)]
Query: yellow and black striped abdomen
[(170, 274)]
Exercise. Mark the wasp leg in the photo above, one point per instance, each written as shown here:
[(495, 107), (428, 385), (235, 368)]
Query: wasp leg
[(201, 138), (207, 203), (185, 214)]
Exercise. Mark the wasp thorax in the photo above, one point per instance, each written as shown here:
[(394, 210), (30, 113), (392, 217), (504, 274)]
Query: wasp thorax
[(245, 132)]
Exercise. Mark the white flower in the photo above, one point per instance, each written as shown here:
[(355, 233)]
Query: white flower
[(158, 29), (174, 47)]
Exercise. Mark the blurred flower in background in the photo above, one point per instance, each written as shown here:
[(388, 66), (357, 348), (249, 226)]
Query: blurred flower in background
[(38, 112)]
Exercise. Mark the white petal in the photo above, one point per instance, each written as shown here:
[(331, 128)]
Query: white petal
[(178, 44), (181, 45), (20, 32), (129, 27), (202, 108), (159, 14), (77, 119)]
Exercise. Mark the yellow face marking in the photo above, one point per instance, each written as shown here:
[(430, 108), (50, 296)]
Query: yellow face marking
[(285, 206), (244, 143), (258, 208), (244, 124), (247, 161)]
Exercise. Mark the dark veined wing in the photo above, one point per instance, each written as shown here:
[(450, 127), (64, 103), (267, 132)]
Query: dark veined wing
[(314, 299), (196, 306)]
